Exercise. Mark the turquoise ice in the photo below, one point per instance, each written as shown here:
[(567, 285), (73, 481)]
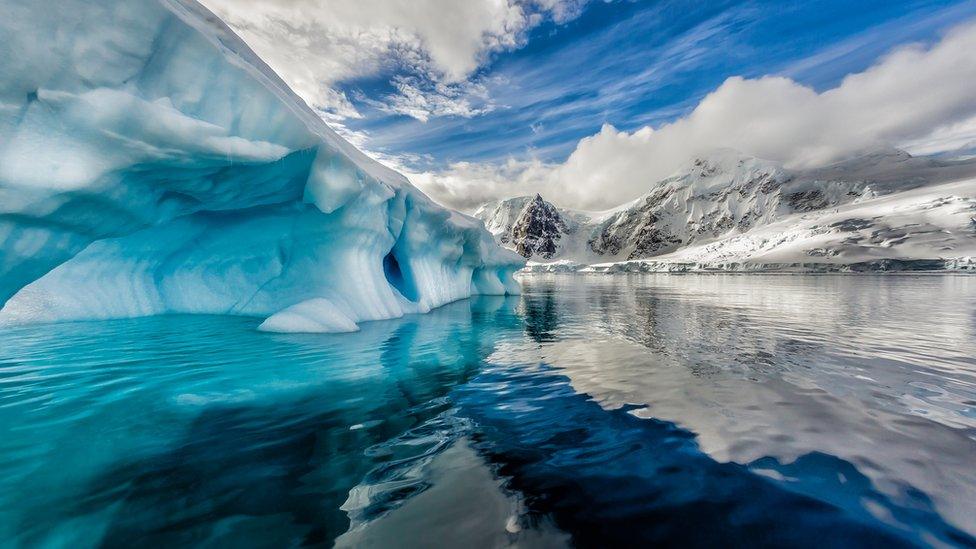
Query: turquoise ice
[(151, 163)]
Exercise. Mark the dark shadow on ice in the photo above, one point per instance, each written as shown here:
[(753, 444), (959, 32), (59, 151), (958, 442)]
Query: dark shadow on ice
[(396, 277)]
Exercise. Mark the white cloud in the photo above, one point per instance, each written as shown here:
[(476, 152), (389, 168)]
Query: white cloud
[(315, 44), (465, 185), (958, 136), (913, 95), (563, 10), (423, 99)]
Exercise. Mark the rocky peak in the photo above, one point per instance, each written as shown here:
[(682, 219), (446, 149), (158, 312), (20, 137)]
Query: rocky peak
[(538, 229)]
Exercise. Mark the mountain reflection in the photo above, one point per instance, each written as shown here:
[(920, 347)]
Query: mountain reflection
[(692, 411)]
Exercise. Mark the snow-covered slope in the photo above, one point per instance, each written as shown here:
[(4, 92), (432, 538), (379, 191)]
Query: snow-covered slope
[(499, 217), (151, 163), (709, 210), (927, 228)]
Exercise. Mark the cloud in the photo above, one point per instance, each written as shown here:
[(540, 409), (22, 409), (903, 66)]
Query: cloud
[(915, 94), (958, 137), (316, 44), (423, 99), (466, 185)]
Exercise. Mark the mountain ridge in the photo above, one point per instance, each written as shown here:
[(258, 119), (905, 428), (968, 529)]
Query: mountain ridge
[(726, 196)]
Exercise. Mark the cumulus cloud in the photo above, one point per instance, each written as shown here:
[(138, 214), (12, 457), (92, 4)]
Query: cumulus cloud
[(315, 44), (466, 185), (915, 96)]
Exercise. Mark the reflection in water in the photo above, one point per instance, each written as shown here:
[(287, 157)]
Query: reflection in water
[(692, 410), (879, 371), (541, 316), (201, 430), (613, 479)]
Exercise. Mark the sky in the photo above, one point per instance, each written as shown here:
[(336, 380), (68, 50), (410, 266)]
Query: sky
[(590, 102)]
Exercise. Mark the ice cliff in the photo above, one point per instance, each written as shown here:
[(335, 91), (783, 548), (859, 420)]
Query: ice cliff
[(151, 163)]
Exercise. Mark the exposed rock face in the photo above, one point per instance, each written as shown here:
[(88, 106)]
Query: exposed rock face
[(712, 198), (723, 196), (538, 229)]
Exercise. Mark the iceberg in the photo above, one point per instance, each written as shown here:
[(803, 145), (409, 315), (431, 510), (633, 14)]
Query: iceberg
[(151, 163)]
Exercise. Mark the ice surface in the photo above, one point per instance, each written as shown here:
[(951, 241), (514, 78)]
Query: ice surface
[(151, 163), (315, 315)]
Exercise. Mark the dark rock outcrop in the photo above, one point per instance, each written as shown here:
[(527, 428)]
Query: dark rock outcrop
[(538, 229)]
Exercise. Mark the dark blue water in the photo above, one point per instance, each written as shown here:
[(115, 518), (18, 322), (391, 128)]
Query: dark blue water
[(595, 411)]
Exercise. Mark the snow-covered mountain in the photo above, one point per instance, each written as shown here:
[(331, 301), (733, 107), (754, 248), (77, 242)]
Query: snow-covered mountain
[(705, 212), (151, 163), (531, 226)]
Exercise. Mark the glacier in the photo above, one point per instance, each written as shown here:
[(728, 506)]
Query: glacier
[(151, 163)]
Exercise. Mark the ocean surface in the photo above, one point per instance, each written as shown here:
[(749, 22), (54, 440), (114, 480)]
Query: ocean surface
[(696, 410)]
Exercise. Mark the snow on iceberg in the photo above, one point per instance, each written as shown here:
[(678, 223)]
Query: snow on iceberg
[(151, 163)]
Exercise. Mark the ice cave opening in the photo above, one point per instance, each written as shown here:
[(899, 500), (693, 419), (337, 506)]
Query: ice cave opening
[(403, 283)]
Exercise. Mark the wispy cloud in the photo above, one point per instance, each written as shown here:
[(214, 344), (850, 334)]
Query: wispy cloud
[(832, 62), (423, 99), (430, 47), (541, 102), (914, 95), (590, 102)]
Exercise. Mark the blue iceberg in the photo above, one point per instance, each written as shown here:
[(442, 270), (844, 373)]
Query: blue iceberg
[(151, 163)]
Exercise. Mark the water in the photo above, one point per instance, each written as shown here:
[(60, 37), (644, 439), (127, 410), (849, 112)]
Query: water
[(604, 410)]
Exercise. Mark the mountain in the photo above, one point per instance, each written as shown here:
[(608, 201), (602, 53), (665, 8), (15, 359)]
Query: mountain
[(704, 213), (499, 217), (530, 226), (151, 163)]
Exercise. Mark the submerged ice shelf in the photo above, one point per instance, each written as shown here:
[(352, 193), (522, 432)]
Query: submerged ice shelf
[(151, 163)]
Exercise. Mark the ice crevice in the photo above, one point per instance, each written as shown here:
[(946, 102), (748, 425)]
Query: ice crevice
[(150, 163)]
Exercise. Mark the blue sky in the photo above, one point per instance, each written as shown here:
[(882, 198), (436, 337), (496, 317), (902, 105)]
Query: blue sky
[(592, 102), (641, 63)]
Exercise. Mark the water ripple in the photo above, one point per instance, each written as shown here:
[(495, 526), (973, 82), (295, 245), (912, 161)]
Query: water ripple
[(692, 410)]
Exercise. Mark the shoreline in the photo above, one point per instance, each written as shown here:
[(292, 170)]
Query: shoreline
[(880, 266)]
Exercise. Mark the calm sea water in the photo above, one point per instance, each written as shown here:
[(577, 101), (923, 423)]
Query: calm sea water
[(694, 410)]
